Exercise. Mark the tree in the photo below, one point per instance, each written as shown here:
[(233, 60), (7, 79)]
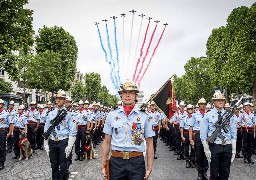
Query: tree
[(92, 86), (78, 92), (44, 71), (16, 34), (56, 39), (104, 95), (5, 87)]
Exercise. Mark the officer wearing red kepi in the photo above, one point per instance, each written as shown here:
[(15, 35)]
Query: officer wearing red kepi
[(126, 129)]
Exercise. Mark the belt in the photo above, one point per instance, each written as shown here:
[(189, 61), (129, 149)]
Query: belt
[(186, 131), (42, 124), (176, 124), (81, 126), (222, 142), (3, 129), (58, 138), (126, 155), (17, 128), (197, 132), (31, 122)]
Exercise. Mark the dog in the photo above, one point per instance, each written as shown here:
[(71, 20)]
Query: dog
[(89, 151), (24, 145)]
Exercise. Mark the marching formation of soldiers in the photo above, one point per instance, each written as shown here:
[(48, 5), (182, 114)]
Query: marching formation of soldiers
[(187, 131), (88, 119), (130, 133)]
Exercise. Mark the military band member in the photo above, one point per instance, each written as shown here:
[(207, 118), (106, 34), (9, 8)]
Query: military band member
[(194, 137), (5, 123), (61, 140), (247, 122), (184, 132), (126, 129), (20, 124), (221, 153), (33, 124), (12, 113), (155, 119)]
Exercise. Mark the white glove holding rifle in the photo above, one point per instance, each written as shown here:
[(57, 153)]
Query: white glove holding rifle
[(46, 146), (207, 150)]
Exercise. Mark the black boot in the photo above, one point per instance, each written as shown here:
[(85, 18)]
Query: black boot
[(246, 160), (77, 158), (1, 165), (200, 176), (81, 158), (205, 177), (178, 158), (193, 164), (250, 161), (188, 164)]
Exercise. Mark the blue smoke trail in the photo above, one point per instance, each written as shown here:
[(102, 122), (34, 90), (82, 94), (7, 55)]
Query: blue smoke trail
[(111, 57), (105, 52), (117, 55), (102, 46)]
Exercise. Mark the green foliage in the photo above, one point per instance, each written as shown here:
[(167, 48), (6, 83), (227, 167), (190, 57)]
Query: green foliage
[(16, 34), (5, 87), (44, 71), (230, 63), (78, 92), (57, 40), (92, 86)]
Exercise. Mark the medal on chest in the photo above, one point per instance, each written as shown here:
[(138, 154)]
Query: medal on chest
[(137, 133)]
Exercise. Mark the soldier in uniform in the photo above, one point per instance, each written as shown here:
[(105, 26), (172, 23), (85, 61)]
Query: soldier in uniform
[(5, 123), (12, 112), (154, 118), (175, 121), (126, 129), (33, 124), (95, 123), (227, 106), (40, 131), (247, 122), (194, 137), (81, 120), (61, 140), (184, 131), (235, 118), (20, 124), (222, 152)]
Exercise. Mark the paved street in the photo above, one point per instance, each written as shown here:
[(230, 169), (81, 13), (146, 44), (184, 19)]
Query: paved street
[(165, 167)]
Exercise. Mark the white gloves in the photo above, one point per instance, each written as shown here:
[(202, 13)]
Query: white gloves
[(71, 141), (46, 146), (207, 150), (233, 142)]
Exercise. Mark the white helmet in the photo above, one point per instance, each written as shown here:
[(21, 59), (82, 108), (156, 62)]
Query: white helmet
[(1, 101), (86, 102), (21, 107), (208, 106), (80, 102), (246, 104), (182, 103), (33, 103), (61, 94), (227, 105), (202, 101), (190, 106), (68, 98), (11, 103), (218, 95)]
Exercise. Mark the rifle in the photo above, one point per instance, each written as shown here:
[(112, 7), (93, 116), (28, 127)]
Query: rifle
[(222, 124), (56, 121)]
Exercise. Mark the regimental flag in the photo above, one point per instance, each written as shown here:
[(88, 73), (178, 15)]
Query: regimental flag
[(164, 99)]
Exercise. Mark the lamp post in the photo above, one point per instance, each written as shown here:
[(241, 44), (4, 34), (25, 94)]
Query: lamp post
[(37, 92)]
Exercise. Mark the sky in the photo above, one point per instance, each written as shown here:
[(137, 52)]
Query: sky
[(190, 23)]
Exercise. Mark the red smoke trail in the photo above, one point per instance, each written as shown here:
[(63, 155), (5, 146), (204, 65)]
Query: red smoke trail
[(141, 51), (144, 58), (151, 56)]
